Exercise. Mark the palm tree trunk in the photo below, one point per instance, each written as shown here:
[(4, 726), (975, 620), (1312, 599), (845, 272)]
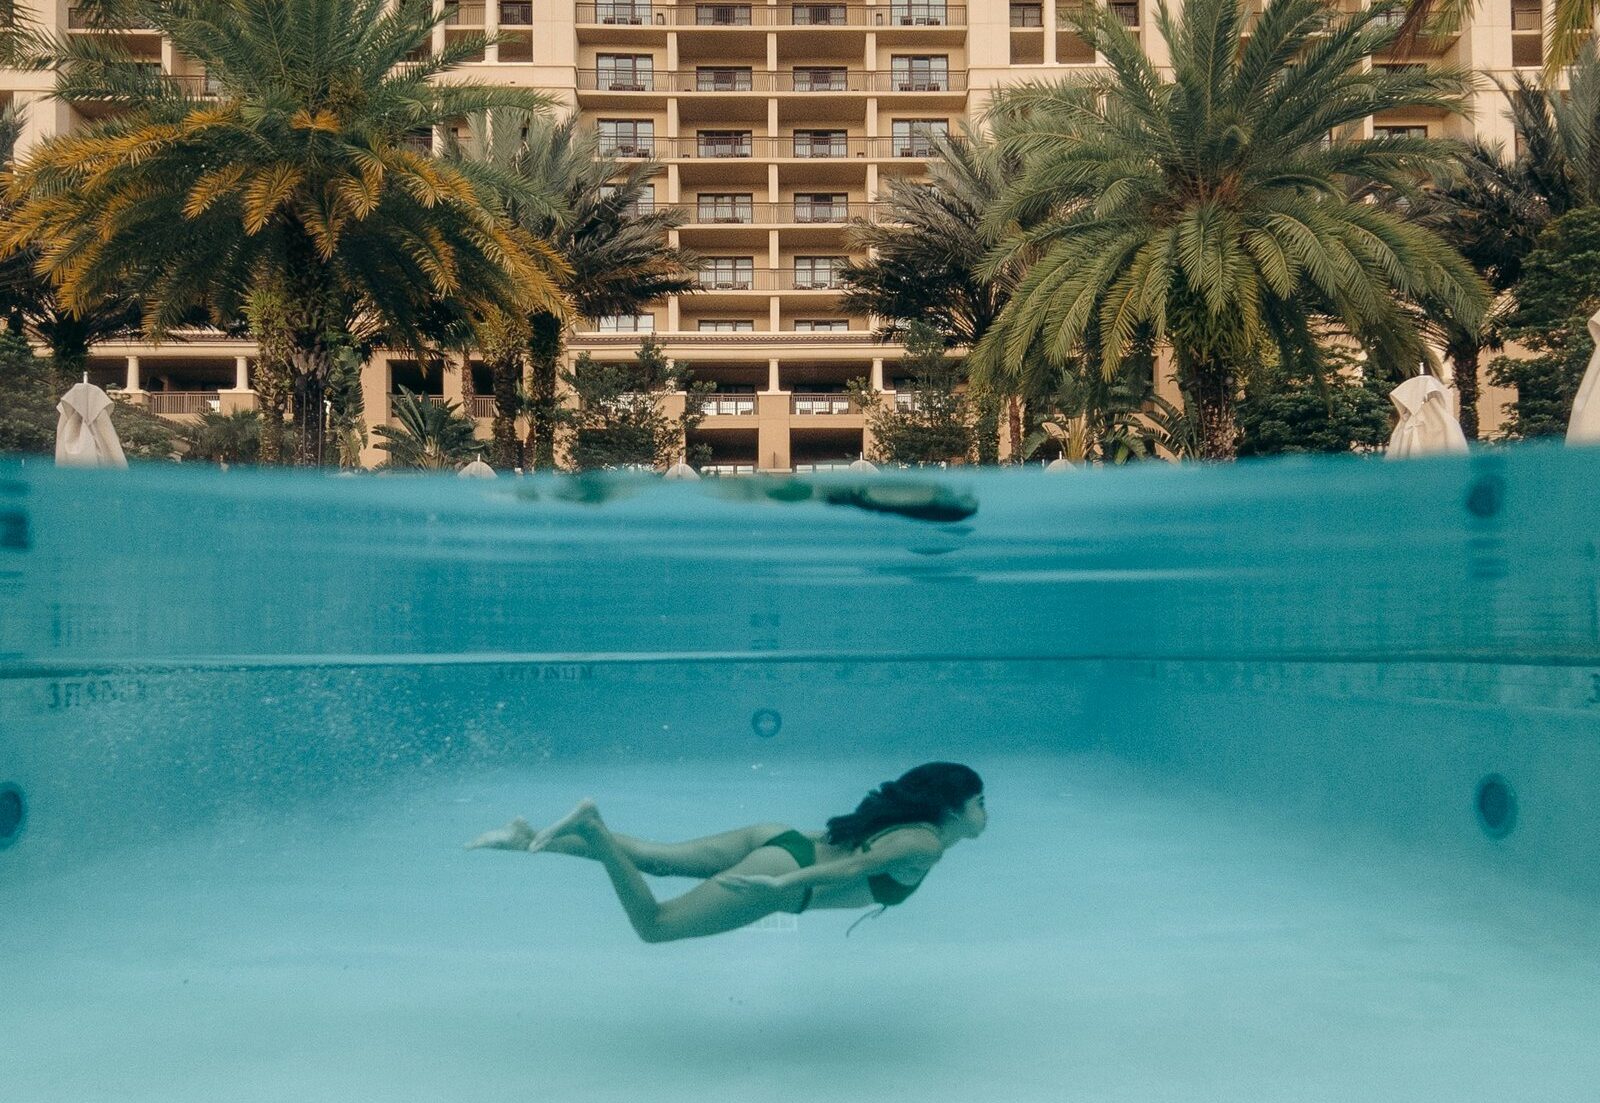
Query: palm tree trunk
[(1014, 426), (544, 348), (505, 452), (312, 367), (1215, 389), (1464, 359)]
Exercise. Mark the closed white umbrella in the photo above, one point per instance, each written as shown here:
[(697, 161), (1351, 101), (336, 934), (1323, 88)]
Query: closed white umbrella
[(85, 436), (1426, 426), (681, 470), (1584, 425), (1061, 463), (477, 469)]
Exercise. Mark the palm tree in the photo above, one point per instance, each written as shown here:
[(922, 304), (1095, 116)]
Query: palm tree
[(1210, 208), (27, 301), (1491, 211), (927, 246), (300, 175), (431, 435), (599, 217)]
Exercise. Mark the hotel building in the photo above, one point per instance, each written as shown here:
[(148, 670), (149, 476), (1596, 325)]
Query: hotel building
[(776, 125)]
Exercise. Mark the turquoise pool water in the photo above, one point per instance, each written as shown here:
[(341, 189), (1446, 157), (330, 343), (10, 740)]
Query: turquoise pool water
[(1293, 772)]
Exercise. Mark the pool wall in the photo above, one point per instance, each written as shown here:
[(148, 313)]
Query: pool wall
[(1359, 644)]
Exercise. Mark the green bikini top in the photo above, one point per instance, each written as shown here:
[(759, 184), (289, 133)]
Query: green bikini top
[(885, 889)]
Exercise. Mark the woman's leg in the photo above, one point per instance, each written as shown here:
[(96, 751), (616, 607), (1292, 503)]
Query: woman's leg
[(707, 909), (704, 857)]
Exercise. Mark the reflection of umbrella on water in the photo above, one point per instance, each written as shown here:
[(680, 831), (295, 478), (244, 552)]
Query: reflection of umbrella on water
[(1426, 424), (84, 434)]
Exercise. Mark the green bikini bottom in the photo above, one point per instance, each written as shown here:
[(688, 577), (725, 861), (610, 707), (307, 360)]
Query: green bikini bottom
[(804, 851)]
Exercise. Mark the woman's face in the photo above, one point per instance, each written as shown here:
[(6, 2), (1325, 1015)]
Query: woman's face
[(974, 817)]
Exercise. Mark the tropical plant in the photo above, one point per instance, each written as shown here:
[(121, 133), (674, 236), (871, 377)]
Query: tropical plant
[(931, 420), (1340, 408), (619, 420), (430, 435), (1558, 292), (301, 174), (1092, 419), (1211, 206), (224, 438), (598, 215)]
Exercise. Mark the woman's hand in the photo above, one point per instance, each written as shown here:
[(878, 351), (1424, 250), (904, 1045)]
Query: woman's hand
[(748, 882)]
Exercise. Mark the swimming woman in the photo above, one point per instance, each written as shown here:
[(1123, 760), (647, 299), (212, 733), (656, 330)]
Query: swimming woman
[(877, 854)]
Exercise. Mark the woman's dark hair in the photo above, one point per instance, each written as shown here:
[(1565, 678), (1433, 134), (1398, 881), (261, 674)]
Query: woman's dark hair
[(923, 794)]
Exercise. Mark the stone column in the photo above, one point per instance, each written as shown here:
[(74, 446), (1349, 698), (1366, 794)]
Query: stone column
[(491, 27), (241, 373), (134, 385)]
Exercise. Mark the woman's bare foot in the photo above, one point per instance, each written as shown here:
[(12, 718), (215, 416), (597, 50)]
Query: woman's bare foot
[(515, 835), (582, 814)]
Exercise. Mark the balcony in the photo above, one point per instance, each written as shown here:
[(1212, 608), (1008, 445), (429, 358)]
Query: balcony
[(780, 214), (184, 403), (760, 146), (822, 405), (516, 13), (710, 16), (743, 405), (482, 406), (808, 81), (467, 14), (82, 19)]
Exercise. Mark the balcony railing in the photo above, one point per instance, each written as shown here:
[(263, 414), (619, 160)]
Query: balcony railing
[(179, 403), (770, 279), (728, 405), (822, 405), (702, 148), (759, 214), (809, 81), (757, 14), (516, 13), (482, 405)]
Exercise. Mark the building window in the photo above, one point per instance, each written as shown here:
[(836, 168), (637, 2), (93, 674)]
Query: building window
[(821, 78), (819, 15), (821, 325), (1027, 15), (913, 137), (821, 143), (722, 15), (627, 137), (1127, 11), (920, 73), (1400, 131), (720, 79), (625, 72), (519, 13), (727, 325), (626, 323), (725, 207), (1527, 33), (818, 273), (723, 143), (821, 207), (728, 273)]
